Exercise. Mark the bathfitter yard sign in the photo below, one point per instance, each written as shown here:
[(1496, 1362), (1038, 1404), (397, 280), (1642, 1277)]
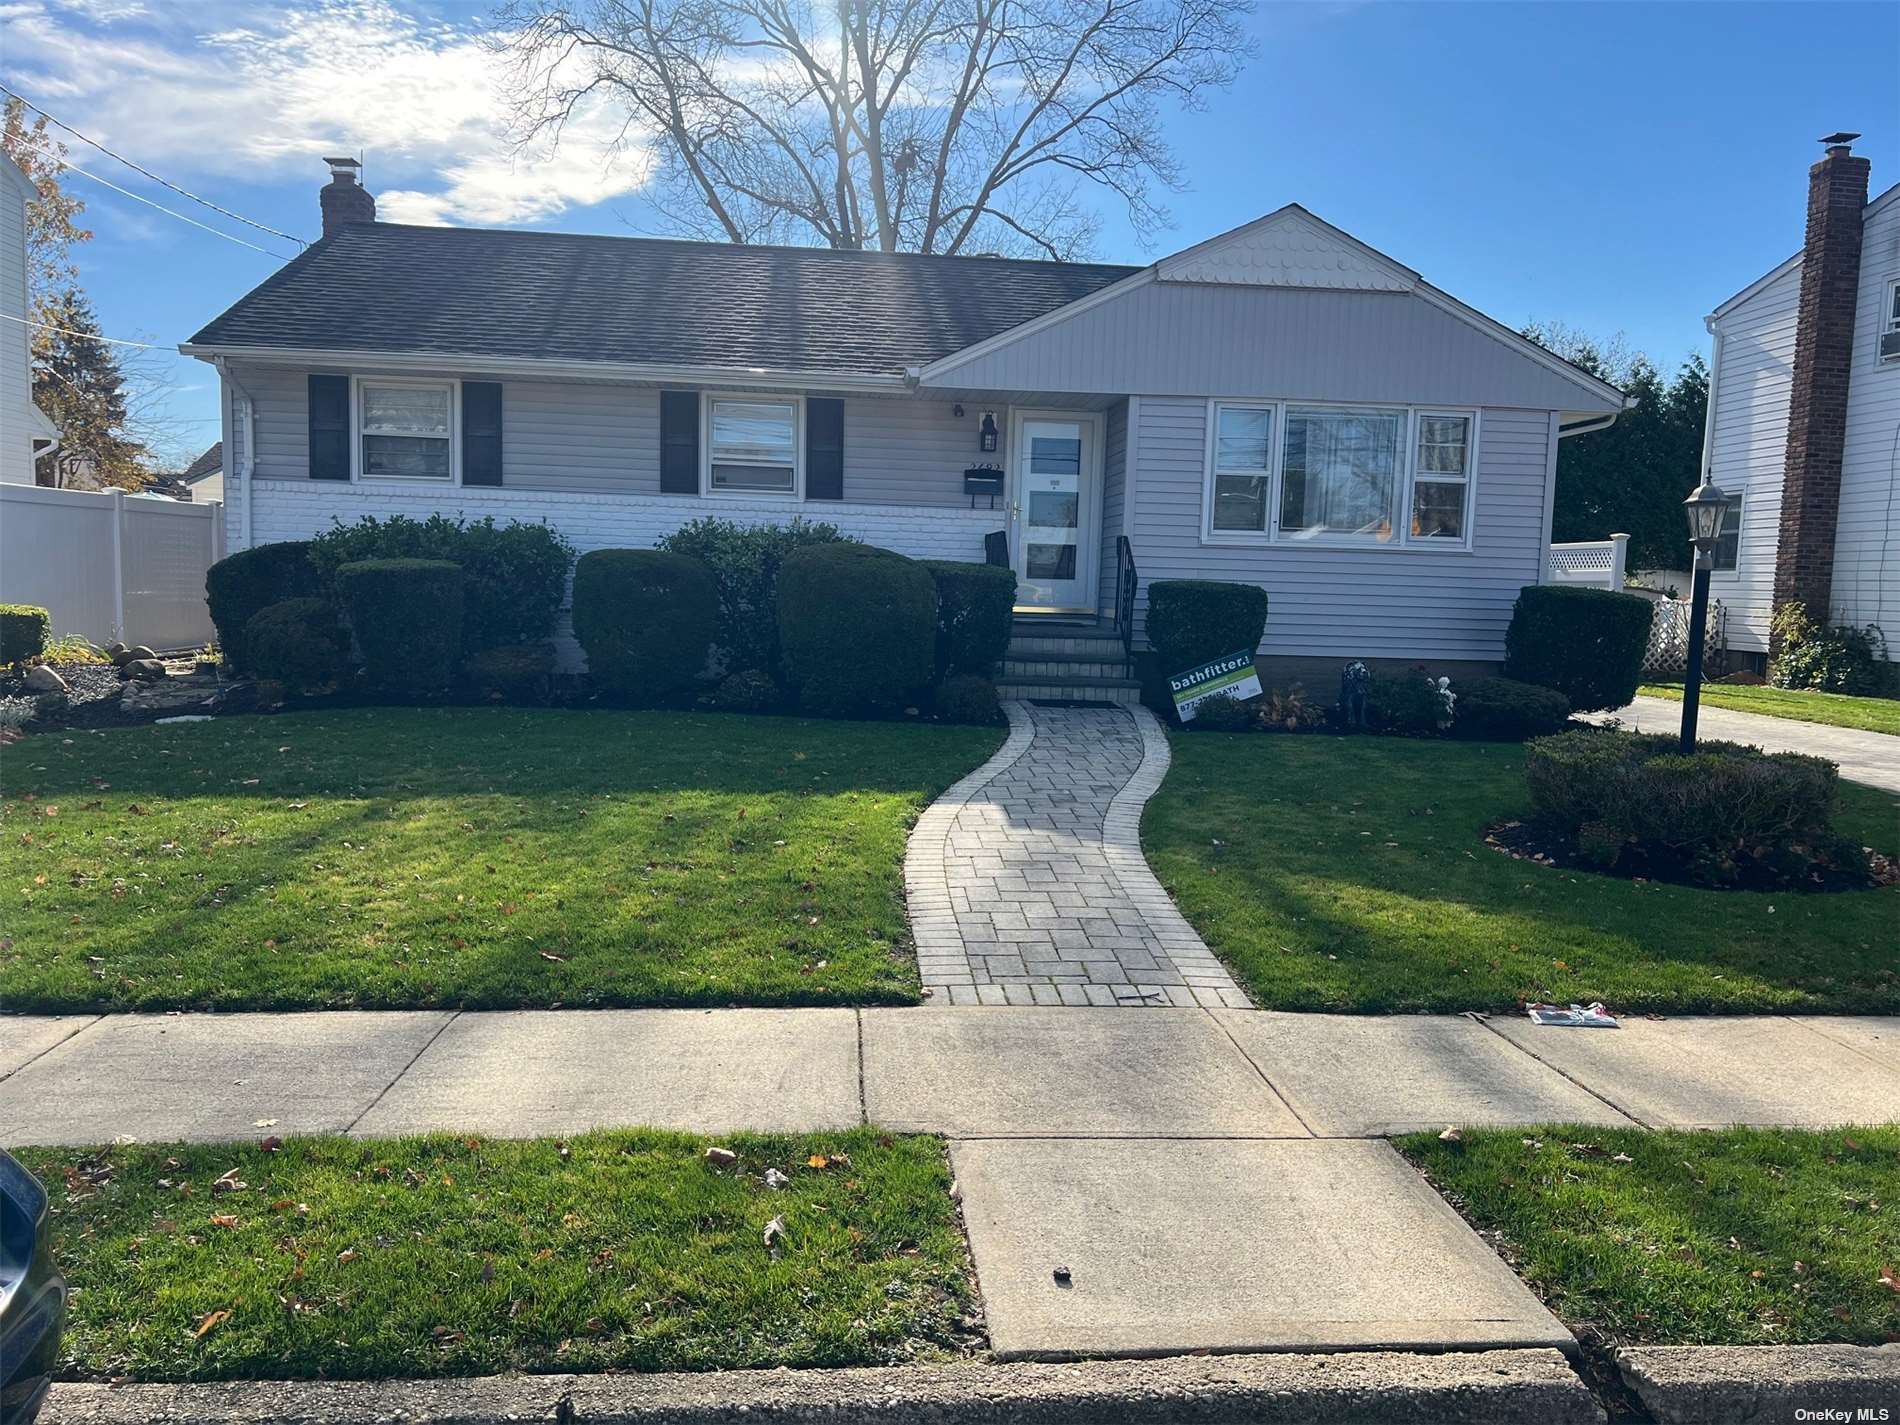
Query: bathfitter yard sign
[(1232, 675)]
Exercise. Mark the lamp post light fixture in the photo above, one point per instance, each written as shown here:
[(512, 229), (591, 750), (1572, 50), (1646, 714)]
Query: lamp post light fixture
[(1706, 506)]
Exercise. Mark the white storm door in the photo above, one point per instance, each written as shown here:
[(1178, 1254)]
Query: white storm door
[(1055, 514)]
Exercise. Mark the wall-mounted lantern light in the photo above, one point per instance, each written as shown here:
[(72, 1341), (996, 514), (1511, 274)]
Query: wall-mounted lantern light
[(987, 440)]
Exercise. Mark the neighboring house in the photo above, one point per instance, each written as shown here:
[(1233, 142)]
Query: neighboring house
[(1280, 404), (24, 431), (203, 479), (1804, 419)]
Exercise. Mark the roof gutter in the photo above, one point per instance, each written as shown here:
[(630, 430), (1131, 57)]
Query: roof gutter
[(648, 372), (1587, 425)]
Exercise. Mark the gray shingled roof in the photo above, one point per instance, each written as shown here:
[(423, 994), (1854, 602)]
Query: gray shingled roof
[(209, 463), (565, 296)]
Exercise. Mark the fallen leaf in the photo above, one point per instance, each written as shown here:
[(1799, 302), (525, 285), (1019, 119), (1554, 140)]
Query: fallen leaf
[(224, 1219), (1451, 1135), (721, 1157), (817, 1160), (263, 1123), (1889, 1280), (348, 1254), (271, 1144), (774, 1234), (550, 955), (208, 1323)]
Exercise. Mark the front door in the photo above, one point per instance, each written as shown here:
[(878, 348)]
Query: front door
[(1055, 513)]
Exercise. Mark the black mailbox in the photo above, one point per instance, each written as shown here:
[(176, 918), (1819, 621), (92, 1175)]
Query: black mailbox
[(982, 480)]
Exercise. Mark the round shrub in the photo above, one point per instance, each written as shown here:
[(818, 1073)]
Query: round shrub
[(1505, 710), (1713, 815), (745, 560), (646, 619), (241, 585), (975, 604), (1828, 658), (1588, 644), (24, 631), (1226, 714), (513, 672), (407, 618), (752, 690), (1192, 621), (858, 626), (1405, 703), (965, 697), (298, 642)]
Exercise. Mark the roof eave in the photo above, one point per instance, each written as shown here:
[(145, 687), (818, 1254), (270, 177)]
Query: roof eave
[(653, 372)]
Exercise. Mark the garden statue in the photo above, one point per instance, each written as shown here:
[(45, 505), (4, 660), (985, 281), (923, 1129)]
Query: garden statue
[(1447, 700), (1353, 686)]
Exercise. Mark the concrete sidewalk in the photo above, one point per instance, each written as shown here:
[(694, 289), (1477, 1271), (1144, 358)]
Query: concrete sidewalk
[(1872, 758), (1210, 1179)]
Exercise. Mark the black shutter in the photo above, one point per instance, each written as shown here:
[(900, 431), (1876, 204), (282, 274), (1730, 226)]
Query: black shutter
[(824, 449), (679, 442), (329, 427), (481, 432)]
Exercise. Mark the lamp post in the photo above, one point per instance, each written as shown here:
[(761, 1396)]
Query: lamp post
[(1705, 506)]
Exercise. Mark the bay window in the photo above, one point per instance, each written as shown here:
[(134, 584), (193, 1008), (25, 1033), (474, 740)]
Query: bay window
[(1378, 476), (751, 446), (405, 429)]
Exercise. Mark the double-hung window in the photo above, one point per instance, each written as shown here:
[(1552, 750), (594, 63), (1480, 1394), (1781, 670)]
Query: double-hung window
[(406, 429), (1441, 477), (752, 446), (1728, 542), (1890, 328), (1242, 467)]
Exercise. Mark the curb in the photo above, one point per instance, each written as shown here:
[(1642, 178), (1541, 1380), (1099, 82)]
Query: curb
[(1393, 1388), (1752, 1385)]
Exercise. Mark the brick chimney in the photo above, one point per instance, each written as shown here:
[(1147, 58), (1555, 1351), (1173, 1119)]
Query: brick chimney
[(1823, 352), (344, 198)]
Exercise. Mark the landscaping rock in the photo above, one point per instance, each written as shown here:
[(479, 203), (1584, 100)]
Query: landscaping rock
[(1753, 1385), (114, 649), (173, 695), (146, 670), (41, 679)]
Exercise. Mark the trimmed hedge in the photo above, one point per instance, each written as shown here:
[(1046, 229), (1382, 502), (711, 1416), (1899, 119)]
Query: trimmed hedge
[(1405, 703), (975, 604), (750, 690), (24, 632), (514, 574), (1505, 710), (242, 585), (858, 627), (407, 618), (1226, 714), (745, 562), (514, 672), (969, 697), (646, 619), (1722, 810), (1191, 621), (1588, 644), (299, 642)]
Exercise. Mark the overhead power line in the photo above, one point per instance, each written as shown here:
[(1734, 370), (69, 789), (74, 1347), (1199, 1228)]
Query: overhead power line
[(140, 168), (170, 212), (90, 336)]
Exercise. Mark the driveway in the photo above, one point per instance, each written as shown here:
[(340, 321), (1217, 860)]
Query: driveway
[(1869, 757)]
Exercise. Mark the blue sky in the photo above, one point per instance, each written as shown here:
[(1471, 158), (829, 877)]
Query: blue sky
[(1617, 167)]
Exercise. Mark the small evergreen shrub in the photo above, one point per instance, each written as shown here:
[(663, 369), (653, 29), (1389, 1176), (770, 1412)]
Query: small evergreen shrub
[(966, 697), (1505, 710), (407, 618), (752, 690), (240, 586), (1829, 659), (646, 619), (1588, 644), (1192, 621), (1720, 814), (1226, 714), (300, 643), (975, 604), (1405, 703), (745, 562), (514, 575), (512, 673), (857, 627), (24, 632)]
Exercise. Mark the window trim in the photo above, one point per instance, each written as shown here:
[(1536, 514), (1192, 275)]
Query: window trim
[(1468, 479), (1408, 478), (1738, 502), (452, 385), (1889, 324), (708, 400)]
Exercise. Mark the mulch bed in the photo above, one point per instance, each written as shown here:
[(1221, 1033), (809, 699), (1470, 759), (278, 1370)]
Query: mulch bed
[(1527, 841)]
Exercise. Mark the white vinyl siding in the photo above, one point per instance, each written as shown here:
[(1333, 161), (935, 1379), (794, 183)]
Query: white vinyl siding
[(1416, 601), (1114, 498), (1867, 542)]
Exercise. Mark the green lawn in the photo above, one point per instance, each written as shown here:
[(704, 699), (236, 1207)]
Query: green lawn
[(453, 1256), (1834, 709), (480, 857), (1351, 874), (1746, 1237)]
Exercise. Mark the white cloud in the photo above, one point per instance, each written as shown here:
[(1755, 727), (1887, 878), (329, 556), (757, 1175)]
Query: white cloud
[(212, 89)]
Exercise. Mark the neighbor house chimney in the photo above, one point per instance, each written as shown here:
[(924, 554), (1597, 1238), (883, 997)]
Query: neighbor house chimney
[(1817, 405), (344, 198)]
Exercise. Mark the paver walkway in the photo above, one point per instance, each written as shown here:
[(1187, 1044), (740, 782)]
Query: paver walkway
[(1869, 757), (1026, 882)]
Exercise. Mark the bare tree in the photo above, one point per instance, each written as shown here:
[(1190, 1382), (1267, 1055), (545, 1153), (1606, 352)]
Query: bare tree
[(927, 125)]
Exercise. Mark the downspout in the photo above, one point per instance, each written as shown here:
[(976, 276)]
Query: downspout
[(244, 472), (1708, 416)]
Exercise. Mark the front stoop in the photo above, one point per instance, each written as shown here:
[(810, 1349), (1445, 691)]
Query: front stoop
[(1067, 660)]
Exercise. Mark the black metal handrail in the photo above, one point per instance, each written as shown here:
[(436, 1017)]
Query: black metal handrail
[(1126, 582)]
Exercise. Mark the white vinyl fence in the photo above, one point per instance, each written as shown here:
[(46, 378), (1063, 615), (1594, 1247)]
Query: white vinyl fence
[(1596, 563), (107, 566)]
